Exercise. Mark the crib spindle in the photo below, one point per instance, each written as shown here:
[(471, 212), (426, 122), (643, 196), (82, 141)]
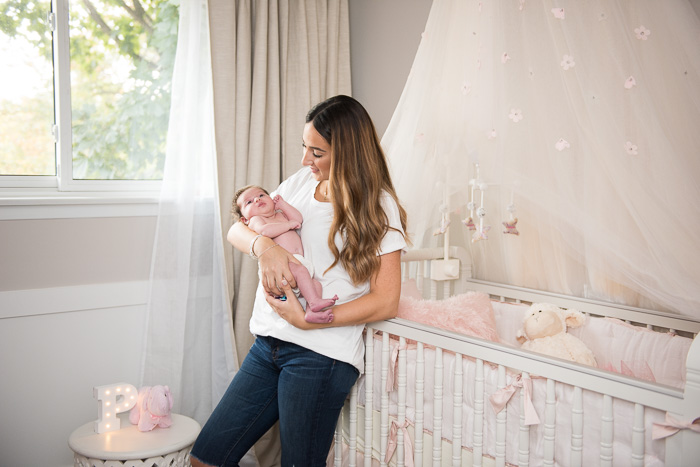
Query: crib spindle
[(606, 432), (420, 395), (500, 447), (420, 273), (401, 412), (369, 390), (478, 430), (638, 436), (524, 433), (353, 427), (550, 413), (577, 428), (457, 412), (384, 409), (338, 445), (437, 409)]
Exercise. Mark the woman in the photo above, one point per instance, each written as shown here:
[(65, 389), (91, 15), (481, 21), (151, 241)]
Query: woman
[(297, 372)]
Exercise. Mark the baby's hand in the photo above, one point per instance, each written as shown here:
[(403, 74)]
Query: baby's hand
[(276, 199), (295, 225)]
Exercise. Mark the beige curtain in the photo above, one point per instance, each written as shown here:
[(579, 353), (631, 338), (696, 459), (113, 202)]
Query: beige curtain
[(271, 61)]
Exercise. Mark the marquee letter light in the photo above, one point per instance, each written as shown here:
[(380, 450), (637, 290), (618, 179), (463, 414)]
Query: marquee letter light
[(111, 400)]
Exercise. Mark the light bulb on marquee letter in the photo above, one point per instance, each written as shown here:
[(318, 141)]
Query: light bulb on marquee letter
[(111, 400)]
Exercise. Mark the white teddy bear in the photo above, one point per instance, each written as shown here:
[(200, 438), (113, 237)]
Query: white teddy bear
[(544, 331)]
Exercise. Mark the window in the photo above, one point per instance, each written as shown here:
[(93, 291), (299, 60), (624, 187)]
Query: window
[(85, 92)]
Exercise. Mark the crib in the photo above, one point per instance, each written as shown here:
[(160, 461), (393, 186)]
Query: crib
[(426, 395)]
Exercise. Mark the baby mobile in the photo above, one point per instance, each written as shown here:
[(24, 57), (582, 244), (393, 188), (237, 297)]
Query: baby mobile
[(445, 216), (511, 223), (481, 231)]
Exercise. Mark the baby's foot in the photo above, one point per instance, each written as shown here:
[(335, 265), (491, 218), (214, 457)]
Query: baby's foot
[(325, 316), (320, 304)]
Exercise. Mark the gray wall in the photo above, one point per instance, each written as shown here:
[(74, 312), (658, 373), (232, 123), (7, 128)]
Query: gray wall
[(41, 253), (384, 38)]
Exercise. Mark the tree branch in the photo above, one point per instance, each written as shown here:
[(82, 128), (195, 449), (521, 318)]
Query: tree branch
[(139, 14), (95, 15)]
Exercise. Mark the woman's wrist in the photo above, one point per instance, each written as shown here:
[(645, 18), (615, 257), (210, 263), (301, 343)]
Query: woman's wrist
[(251, 250), (259, 245), (266, 250)]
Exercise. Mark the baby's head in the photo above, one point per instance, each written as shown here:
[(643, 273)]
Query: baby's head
[(238, 209)]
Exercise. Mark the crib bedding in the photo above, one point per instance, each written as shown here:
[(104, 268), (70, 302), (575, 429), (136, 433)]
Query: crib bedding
[(564, 395), (618, 342), (619, 347)]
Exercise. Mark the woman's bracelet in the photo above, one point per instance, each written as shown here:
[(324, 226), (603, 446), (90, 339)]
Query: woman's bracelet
[(266, 250), (252, 244)]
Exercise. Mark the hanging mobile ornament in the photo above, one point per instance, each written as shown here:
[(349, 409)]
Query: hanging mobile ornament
[(480, 233), (445, 222), (469, 221), (444, 209), (511, 223)]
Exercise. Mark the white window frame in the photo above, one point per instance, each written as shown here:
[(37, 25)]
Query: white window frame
[(58, 21)]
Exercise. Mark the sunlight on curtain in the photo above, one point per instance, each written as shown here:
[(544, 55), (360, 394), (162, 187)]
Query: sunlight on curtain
[(189, 341), (582, 118)]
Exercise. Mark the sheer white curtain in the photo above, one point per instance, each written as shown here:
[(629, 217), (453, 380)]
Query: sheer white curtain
[(189, 334), (582, 118)]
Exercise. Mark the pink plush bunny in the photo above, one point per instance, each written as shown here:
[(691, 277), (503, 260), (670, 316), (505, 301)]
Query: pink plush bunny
[(152, 408)]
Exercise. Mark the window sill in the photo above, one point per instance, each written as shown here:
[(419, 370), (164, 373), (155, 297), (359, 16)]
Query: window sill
[(50, 204)]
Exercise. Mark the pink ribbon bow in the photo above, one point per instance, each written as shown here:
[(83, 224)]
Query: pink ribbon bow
[(407, 445), (393, 363), (500, 398), (672, 426)]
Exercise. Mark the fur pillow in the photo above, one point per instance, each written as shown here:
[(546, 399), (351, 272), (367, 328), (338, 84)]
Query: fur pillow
[(470, 313)]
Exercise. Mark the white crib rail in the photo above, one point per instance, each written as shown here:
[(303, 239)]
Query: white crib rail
[(684, 404), (593, 379), (611, 386)]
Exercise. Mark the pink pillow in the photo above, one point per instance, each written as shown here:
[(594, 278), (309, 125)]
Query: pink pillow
[(470, 313)]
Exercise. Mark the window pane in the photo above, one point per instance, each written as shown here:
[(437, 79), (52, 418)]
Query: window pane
[(121, 67), (26, 89)]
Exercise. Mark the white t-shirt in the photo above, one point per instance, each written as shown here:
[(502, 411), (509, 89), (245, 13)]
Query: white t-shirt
[(342, 343)]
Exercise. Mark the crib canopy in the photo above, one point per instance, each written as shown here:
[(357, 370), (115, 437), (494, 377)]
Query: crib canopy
[(582, 120)]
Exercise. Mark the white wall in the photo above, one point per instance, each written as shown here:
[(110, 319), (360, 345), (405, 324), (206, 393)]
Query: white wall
[(72, 305), (50, 363), (73, 278)]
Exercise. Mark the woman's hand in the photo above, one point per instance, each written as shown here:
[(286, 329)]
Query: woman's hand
[(273, 262), (273, 259), (290, 308)]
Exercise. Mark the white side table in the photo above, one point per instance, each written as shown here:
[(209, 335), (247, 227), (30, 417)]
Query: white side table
[(130, 447)]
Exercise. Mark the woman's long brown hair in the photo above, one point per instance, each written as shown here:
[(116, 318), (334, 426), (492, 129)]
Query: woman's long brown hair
[(359, 174)]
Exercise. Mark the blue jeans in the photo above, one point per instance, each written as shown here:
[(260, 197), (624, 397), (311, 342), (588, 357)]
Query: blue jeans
[(278, 380)]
